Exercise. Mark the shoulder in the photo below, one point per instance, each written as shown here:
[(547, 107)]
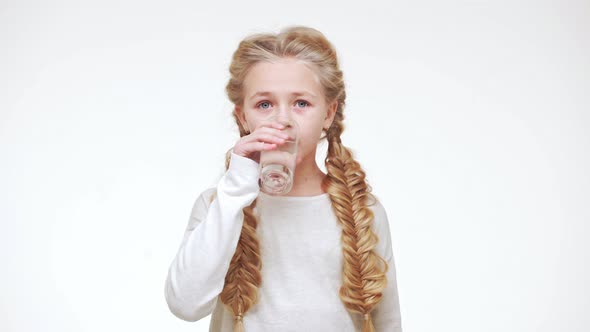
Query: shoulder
[(381, 219), (381, 226)]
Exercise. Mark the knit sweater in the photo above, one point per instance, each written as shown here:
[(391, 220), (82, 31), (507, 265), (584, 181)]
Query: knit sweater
[(301, 253)]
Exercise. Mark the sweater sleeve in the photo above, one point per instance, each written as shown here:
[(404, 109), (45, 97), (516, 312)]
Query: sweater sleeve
[(196, 276), (386, 315)]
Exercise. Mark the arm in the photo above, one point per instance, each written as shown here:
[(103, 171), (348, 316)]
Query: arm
[(386, 315), (197, 274)]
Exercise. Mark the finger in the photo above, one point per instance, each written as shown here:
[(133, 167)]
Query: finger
[(274, 125), (268, 138), (258, 146), (278, 125), (273, 131), (268, 146)]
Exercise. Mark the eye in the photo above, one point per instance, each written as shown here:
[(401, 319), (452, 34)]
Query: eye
[(262, 103), (300, 103), (306, 103)]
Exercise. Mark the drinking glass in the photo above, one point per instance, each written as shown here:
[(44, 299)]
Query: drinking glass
[(277, 166)]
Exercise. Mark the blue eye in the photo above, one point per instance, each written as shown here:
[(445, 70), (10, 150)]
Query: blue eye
[(259, 105), (306, 103)]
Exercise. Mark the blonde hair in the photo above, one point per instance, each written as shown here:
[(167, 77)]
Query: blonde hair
[(364, 271)]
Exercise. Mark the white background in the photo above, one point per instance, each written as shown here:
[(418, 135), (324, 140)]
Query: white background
[(470, 118)]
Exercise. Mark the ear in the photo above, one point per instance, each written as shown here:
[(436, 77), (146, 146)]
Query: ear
[(331, 112), (241, 117)]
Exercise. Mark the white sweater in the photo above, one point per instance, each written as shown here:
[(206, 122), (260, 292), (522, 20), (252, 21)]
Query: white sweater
[(301, 251)]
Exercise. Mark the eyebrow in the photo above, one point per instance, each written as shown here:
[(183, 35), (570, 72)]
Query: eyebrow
[(296, 93)]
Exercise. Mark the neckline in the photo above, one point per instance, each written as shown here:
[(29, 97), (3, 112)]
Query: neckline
[(292, 198)]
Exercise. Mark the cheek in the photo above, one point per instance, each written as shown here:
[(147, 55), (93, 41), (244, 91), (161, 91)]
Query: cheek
[(308, 139)]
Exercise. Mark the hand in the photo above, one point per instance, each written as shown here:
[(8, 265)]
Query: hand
[(266, 136)]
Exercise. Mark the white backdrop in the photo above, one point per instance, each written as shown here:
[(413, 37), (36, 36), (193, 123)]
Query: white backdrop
[(470, 118)]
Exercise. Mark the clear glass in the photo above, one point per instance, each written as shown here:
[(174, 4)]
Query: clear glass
[(277, 166)]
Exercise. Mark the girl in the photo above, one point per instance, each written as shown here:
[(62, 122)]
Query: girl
[(317, 259)]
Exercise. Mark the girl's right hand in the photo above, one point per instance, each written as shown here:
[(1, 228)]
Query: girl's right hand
[(266, 136)]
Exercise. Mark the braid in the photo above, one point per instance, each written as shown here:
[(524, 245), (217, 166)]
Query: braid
[(243, 278), (363, 281), (240, 291)]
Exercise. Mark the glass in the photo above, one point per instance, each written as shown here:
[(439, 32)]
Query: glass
[(277, 166)]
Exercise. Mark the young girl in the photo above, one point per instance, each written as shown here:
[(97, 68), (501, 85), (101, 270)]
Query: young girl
[(316, 259)]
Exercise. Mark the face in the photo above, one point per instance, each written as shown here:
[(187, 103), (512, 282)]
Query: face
[(289, 88)]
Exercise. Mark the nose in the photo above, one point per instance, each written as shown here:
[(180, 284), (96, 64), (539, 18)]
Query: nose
[(282, 111), (284, 115)]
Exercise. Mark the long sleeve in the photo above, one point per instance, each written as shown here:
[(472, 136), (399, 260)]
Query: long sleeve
[(386, 315), (197, 274)]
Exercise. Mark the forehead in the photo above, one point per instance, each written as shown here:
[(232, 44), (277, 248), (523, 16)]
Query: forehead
[(283, 77)]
